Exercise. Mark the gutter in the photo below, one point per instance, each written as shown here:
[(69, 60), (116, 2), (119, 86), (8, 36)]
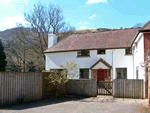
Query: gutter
[(144, 31)]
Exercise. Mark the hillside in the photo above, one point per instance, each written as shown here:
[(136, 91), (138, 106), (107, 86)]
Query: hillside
[(7, 34)]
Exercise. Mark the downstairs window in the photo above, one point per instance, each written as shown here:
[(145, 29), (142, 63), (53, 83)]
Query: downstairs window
[(84, 73), (121, 73)]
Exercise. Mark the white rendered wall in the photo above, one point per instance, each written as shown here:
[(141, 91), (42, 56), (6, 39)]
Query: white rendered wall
[(138, 53), (120, 60)]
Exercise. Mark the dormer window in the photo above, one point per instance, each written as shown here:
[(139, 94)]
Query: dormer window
[(101, 51), (128, 51), (83, 53)]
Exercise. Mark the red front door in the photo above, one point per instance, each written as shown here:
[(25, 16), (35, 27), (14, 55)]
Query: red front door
[(100, 75)]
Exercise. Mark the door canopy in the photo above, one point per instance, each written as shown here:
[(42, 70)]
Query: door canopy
[(101, 64)]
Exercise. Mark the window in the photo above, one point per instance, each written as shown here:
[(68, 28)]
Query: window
[(107, 73), (83, 53), (128, 51), (84, 73), (121, 73), (137, 72), (101, 51)]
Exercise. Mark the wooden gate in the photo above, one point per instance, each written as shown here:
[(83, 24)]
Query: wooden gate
[(105, 87)]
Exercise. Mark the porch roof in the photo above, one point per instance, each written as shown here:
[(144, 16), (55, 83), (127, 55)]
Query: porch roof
[(102, 61)]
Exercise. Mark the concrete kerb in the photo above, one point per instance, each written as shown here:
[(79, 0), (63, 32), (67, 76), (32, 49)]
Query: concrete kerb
[(99, 98)]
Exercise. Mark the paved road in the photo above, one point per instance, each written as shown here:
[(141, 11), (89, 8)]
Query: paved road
[(99, 104)]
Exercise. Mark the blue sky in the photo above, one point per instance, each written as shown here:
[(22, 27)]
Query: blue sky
[(83, 14)]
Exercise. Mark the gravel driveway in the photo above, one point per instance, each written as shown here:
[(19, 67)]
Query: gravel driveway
[(101, 104)]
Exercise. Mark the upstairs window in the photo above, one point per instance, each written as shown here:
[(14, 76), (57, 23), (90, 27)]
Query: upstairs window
[(83, 53), (128, 51), (102, 51)]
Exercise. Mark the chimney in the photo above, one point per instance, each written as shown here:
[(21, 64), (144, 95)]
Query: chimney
[(52, 40)]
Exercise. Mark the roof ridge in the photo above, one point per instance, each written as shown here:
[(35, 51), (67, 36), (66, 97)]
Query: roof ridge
[(146, 24), (105, 31)]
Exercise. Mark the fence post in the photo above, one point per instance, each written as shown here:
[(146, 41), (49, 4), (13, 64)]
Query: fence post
[(113, 88)]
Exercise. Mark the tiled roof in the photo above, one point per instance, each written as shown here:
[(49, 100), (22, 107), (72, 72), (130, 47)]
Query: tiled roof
[(146, 26), (107, 39)]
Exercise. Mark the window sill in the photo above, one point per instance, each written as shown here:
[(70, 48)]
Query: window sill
[(121, 78), (82, 56), (84, 78), (128, 54), (101, 54)]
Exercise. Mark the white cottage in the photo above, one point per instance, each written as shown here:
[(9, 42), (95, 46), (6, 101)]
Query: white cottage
[(106, 55)]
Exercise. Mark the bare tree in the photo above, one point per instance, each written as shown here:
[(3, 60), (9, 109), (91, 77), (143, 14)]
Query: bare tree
[(138, 25), (146, 64), (17, 51), (13, 57), (146, 67), (29, 43), (44, 19), (21, 36)]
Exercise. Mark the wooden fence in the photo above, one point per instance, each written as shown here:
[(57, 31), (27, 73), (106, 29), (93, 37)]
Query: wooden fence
[(17, 87), (128, 88), (82, 87)]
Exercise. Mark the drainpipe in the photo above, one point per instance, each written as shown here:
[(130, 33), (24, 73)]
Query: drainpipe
[(112, 62), (112, 71), (133, 63)]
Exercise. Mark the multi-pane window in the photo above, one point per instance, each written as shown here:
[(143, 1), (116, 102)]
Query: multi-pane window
[(84, 73), (128, 51), (84, 53), (101, 51), (121, 73), (107, 73)]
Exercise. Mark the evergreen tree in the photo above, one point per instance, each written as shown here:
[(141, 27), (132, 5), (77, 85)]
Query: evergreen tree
[(2, 58)]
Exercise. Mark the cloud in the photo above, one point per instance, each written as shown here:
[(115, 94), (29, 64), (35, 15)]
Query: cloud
[(79, 22), (95, 1), (12, 21), (83, 27), (26, 2), (84, 23), (19, 4), (92, 16)]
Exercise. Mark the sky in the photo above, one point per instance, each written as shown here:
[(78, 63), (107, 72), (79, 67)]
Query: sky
[(82, 14)]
